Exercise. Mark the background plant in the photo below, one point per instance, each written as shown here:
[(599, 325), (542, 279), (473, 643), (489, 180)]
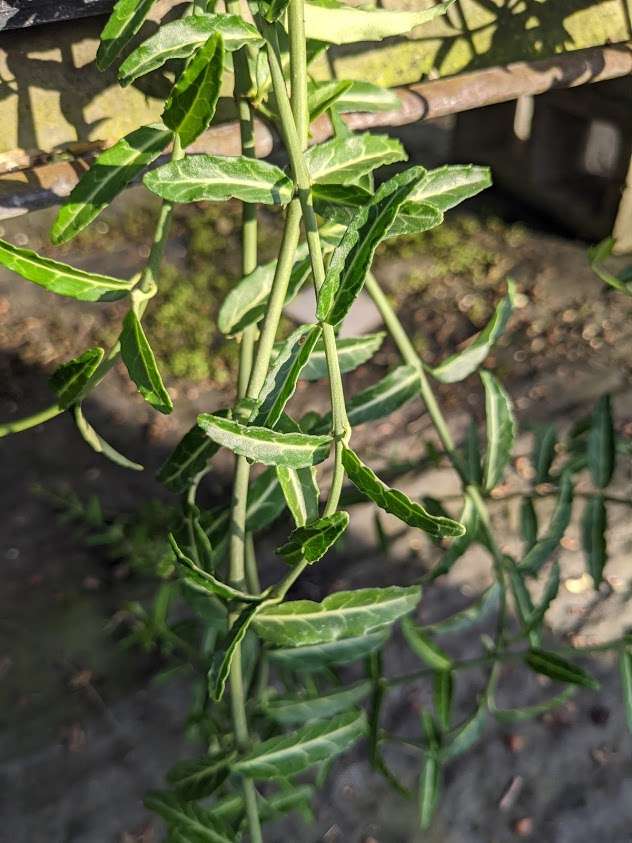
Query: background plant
[(270, 704)]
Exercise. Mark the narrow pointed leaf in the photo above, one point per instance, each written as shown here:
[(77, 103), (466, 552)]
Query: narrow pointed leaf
[(193, 99), (192, 780), (337, 23), (384, 397), (222, 660), (423, 647), (501, 430), (126, 19), (141, 364), (429, 788), (343, 614), (443, 694), (469, 520), (518, 715), (594, 526), (179, 40), (283, 376), (601, 443), (188, 459), (295, 450), (554, 666), (396, 502), (192, 820), (60, 278), (215, 178), (457, 367), (70, 379), (352, 352), (625, 666), (528, 523), (448, 186), (99, 444), (542, 549), (317, 657), (352, 258), (112, 171), (321, 96), (291, 754), (202, 580), (550, 593), (345, 160), (467, 734), (598, 254), (477, 612), (312, 541), (300, 710), (300, 491), (544, 444)]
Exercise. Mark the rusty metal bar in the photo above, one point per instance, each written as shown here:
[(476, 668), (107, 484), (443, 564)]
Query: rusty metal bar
[(44, 184)]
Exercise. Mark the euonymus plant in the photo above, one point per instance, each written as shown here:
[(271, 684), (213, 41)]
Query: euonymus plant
[(271, 703)]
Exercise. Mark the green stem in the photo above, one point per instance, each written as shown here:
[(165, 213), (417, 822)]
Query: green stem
[(31, 421)]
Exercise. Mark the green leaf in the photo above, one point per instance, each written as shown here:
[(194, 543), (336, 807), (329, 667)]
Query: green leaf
[(365, 96), (352, 352), (317, 657), (345, 160), (283, 376), (517, 715), (550, 593), (112, 171), (295, 450), (429, 788), (594, 526), (247, 301), (99, 444), (443, 695), (126, 19), (448, 186), (337, 23), (423, 647), (69, 380), (384, 397), (501, 430), (290, 754), (300, 491), (601, 443), (321, 96), (188, 459), (313, 541), (554, 666), (301, 710), (457, 367), (352, 258), (232, 808), (192, 780), (193, 99), (203, 581), (272, 9), (544, 443), (215, 178), (396, 502), (415, 218), (528, 523), (467, 734), (469, 519), (344, 614), (625, 667), (265, 501), (186, 818), (60, 278), (222, 659), (597, 255), (339, 203), (141, 364), (478, 611), (179, 40), (543, 548)]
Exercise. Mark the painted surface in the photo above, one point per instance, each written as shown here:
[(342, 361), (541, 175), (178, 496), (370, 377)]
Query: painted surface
[(52, 96)]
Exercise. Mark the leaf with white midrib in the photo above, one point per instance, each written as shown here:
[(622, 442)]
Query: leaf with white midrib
[(344, 160), (69, 379), (297, 751), (501, 430), (140, 362), (302, 709), (316, 657), (187, 817), (352, 352)]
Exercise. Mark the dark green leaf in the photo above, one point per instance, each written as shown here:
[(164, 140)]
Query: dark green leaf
[(396, 502), (301, 710), (550, 593), (220, 665), (193, 99), (528, 523), (594, 526), (70, 379), (60, 278), (352, 258), (352, 352), (345, 160), (457, 367), (429, 788), (291, 754), (124, 22), (179, 40), (467, 734), (295, 450), (544, 444), (320, 656), (473, 614), (322, 95), (192, 780), (554, 666), (501, 430), (112, 171), (423, 647), (313, 541), (198, 578), (300, 491), (344, 614), (384, 397), (215, 178), (543, 548), (443, 693), (469, 520), (99, 444), (601, 443), (187, 818), (188, 459), (141, 364), (339, 203), (517, 715)]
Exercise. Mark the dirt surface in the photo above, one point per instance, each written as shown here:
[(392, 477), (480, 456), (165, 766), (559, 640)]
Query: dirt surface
[(86, 728)]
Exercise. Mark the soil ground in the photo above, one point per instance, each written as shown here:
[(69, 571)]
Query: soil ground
[(87, 729)]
